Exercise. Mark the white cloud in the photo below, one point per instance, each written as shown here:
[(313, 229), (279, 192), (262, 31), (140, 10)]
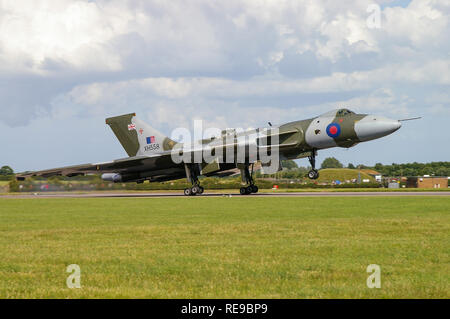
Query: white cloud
[(248, 38), (423, 24), (433, 73), (38, 34)]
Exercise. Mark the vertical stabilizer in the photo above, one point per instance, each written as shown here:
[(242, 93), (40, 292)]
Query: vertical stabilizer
[(137, 137)]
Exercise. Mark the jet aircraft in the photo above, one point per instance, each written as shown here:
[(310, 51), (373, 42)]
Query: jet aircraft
[(151, 153)]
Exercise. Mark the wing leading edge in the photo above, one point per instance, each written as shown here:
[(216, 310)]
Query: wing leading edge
[(124, 166)]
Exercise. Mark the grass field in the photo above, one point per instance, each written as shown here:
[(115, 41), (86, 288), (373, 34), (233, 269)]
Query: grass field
[(236, 191), (341, 174), (239, 247)]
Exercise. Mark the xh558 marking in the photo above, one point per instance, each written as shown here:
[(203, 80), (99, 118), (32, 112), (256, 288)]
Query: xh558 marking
[(151, 154)]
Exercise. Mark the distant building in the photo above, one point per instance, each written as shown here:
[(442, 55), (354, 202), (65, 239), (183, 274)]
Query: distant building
[(374, 174), (427, 182)]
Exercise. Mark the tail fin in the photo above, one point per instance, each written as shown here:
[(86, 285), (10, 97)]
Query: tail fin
[(138, 138)]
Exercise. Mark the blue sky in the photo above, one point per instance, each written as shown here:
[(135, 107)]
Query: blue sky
[(67, 65)]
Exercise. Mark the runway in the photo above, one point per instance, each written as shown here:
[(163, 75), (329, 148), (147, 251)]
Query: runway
[(259, 195)]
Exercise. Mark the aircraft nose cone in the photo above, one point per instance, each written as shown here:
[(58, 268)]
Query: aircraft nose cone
[(372, 127), (391, 125)]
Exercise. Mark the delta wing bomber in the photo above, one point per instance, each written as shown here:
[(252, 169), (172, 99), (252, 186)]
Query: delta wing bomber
[(155, 157)]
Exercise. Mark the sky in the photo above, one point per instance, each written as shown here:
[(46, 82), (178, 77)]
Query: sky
[(66, 65)]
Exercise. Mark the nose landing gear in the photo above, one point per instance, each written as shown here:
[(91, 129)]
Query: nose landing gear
[(313, 173)]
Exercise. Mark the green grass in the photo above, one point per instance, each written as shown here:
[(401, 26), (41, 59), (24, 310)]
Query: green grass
[(341, 174), (236, 191), (358, 190), (239, 247)]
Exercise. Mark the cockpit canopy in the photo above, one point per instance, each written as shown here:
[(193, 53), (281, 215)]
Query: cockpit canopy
[(343, 112), (338, 112)]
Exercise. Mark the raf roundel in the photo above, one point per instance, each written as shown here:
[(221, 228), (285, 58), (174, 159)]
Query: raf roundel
[(333, 130)]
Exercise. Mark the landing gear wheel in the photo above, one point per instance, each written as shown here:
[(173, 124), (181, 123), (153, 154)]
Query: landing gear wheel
[(192, 173), (195, 190), (247, 178), (313, 174)]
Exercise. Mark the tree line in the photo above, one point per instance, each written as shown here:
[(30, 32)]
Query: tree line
[(413, 169), (292, 170)]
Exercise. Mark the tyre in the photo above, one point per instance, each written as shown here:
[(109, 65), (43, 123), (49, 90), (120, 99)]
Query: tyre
[(195, 190), (313, 174), (187, 192), (243, 191), (201, 190), (255, 189)]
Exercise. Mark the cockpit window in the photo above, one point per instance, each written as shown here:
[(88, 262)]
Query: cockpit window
[(344, 112), (338, 112)]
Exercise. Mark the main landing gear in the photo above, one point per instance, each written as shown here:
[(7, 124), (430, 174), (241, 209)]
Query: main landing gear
[(192, 177), (247, 178), (194, 190), (313, 173)]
